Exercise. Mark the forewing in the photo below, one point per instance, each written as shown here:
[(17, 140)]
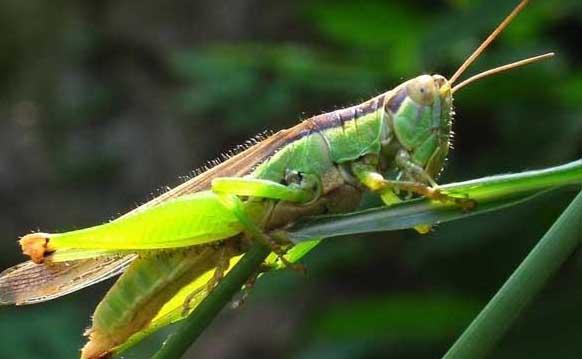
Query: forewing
[(29, 283)]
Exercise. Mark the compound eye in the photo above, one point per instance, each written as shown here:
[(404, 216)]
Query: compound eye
[(422, 90)]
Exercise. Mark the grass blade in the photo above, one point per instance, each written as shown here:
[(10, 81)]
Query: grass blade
[(527, 280), (490, 193)]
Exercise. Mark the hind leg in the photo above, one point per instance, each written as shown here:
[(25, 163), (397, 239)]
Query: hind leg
[(230, 190)]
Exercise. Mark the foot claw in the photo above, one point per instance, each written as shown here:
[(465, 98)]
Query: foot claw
[(296, 267), (460, 199)]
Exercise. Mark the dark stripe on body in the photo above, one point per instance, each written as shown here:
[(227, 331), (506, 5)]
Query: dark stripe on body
[(339, 118), (329, 120), (395, 101)]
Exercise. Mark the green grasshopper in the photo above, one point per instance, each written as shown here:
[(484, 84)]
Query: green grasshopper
[(174, 249)]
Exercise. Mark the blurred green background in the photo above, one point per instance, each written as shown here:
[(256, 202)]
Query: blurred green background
[(103, 102)]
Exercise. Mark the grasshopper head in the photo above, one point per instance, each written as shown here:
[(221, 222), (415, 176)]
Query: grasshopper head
[(420, 111)]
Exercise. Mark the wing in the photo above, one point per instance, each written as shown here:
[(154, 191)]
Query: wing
[(29, 283), (236, 166)]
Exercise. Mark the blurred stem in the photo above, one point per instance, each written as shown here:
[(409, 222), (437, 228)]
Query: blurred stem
[(177, 344), (527, 280)]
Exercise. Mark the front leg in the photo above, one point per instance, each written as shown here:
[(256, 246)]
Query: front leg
[(375, 182), (404, 162)]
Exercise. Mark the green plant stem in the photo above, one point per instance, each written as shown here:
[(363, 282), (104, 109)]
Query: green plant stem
[(527, 280), (177, 344)]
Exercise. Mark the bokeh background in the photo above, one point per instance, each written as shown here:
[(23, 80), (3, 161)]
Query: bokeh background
[(102, 103)]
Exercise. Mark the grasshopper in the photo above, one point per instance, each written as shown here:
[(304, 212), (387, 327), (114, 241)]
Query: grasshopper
[(175, 248)]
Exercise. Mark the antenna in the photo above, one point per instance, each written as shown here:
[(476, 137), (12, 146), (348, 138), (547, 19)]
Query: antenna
[(501, 69), (488, 41)]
